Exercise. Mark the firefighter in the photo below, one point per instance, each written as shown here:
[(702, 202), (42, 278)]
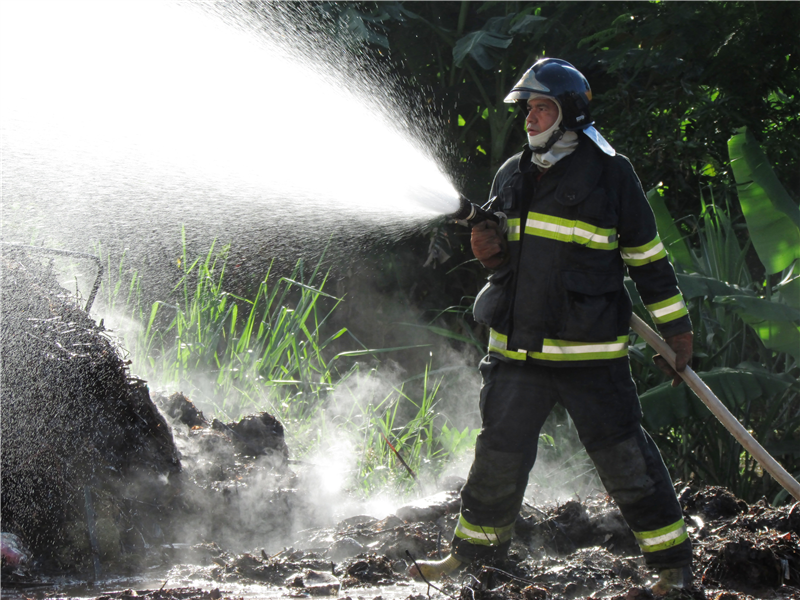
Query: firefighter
[(575, 218)]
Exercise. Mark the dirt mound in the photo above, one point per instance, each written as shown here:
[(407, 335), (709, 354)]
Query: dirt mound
[(237, 488), (80, 436)]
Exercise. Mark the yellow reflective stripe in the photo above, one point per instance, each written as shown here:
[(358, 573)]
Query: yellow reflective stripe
[(636, 256), (499, 343), (668, 310), (513, 229), (561, 350), (661, 539), (482, 535), (566, 230)]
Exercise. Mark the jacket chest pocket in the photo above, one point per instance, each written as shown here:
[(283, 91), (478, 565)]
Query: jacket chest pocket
[(597, 208), (592, 306)]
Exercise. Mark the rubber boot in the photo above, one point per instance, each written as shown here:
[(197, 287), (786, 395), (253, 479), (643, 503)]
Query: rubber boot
[(432, 570), (672, 579)]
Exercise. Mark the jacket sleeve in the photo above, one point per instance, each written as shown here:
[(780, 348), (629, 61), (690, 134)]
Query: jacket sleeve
[(645, 256)]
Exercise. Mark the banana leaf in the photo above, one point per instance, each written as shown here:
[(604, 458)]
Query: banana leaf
[(669, 233), (526, 24), (478, 45), (789, 292), (698, 286), (776, 324), (695, 286), (773, 218), (760, 309), (666, 406)]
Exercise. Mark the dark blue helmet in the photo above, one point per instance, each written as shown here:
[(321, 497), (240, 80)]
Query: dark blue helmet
[(559, 80)]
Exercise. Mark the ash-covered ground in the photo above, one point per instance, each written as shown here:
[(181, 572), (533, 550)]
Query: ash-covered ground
[(578, 549), (101, 480)]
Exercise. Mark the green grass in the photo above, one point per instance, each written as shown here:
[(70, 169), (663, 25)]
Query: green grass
[(274, 352)]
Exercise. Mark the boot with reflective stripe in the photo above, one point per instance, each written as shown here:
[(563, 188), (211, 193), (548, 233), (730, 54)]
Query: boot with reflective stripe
[(672, 579), (432, 570)]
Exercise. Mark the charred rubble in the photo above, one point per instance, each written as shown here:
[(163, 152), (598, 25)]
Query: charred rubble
[(93, 480), (569, 551), (80, 436)]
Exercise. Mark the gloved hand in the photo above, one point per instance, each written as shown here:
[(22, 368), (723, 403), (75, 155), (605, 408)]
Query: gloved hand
[(488, 244), (681, 344)]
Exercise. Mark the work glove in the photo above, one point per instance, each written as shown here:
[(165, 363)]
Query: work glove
[(488, 244), (681, 344)]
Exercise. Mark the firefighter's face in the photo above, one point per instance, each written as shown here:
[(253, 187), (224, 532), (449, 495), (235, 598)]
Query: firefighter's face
[(542, 114)]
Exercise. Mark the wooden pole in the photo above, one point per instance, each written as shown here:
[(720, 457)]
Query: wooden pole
[(720, 411)]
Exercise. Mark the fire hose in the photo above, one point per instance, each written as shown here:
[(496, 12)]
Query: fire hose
[(470, 214), (756, 450)]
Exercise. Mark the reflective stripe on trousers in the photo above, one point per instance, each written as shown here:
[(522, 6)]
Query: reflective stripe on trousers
[(482, 535), (661, 539)]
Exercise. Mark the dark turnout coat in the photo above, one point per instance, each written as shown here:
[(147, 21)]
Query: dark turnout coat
[(572, 230)]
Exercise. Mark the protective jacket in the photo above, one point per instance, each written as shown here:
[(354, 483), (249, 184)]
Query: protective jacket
[(560, 299)]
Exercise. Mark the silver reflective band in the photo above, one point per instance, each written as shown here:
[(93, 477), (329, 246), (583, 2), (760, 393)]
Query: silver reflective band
[(661, 539), (640, 256), (573, 231), (661, 312), (618, 346)]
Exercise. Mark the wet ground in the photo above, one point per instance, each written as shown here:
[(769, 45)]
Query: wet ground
[(567, 551)]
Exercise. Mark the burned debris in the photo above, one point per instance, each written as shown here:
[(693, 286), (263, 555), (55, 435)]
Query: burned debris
[(93, 480), (753, 553), (80, 436)]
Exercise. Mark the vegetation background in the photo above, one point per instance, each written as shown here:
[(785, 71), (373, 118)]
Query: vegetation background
[(684, 89)]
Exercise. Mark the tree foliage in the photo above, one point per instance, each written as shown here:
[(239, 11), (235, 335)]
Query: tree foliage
[(671, 81)]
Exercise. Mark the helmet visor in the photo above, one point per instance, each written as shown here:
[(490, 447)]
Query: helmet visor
[(528, 86)]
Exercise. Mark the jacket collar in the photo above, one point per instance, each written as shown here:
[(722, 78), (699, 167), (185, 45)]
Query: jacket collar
[(581, 172)]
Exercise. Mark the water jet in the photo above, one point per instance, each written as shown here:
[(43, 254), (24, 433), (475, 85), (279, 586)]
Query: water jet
[(128, 119)]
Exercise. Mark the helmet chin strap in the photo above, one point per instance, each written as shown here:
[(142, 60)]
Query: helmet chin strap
[(554, 137)]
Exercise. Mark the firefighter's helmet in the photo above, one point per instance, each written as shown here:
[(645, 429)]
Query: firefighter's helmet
[(557, 79)]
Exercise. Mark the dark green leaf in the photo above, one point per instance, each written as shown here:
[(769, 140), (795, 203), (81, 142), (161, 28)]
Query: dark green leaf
[(358, 29), (670, 236), (789, 292), (775, 324), (699, 286), (499, 25), (760, 308), (476, 45), (397, 11), (773, 219), (666, 406), (526, 24)]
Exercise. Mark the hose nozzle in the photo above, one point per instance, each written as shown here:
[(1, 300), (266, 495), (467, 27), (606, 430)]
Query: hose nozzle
[(471, 214)]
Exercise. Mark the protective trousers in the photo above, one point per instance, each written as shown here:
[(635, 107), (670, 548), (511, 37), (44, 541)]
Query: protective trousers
[(602, 402)]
